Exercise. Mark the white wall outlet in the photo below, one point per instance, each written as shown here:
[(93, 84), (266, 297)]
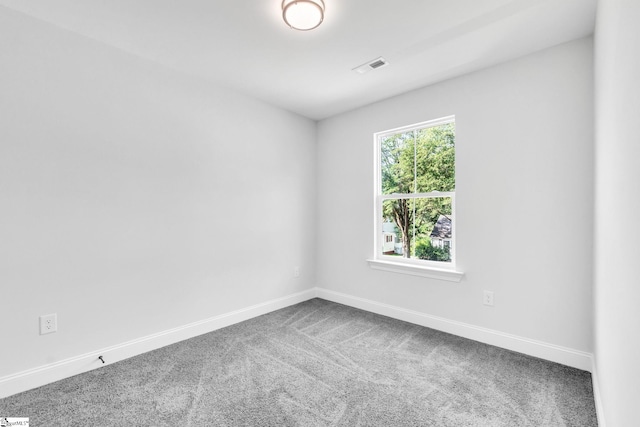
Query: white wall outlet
[(296, 271), (488, 298), (48, 323)]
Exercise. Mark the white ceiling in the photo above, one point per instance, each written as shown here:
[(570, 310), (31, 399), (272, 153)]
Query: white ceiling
[(245, 44)]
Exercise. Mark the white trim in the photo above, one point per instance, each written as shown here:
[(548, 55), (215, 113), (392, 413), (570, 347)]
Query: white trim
[(596, 395), (46, 374), (416, 270), (415, 126), (555, 353)]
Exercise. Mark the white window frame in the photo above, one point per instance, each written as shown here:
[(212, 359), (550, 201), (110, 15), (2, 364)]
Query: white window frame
[(424, 268)]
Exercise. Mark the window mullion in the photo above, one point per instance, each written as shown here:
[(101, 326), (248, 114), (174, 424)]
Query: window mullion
[(431, 194), (415, 182)]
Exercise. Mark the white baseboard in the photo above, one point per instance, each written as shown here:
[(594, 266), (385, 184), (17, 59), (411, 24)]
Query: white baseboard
[(46, 374), (597, 396), (566, 356)]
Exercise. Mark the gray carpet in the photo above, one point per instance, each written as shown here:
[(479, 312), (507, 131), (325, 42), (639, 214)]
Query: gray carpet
[(317, 364)]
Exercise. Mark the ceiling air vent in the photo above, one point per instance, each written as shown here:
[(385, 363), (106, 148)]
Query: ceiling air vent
[(371, 65)]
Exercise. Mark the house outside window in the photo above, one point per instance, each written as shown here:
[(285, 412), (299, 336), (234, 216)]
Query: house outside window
[(415, 194)]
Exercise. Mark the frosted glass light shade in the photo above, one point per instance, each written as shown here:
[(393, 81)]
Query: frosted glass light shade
[(303, 15)]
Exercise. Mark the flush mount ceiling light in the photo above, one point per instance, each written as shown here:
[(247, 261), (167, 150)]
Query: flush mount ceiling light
[(303, 15)]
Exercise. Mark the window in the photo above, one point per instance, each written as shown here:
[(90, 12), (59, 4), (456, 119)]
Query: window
[(415, 196)]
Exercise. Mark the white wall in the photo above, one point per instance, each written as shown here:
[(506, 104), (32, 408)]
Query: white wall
[(524, 178), (617, 287), (134, 199)]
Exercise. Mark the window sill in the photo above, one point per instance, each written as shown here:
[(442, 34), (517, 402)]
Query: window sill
[(416, 270)]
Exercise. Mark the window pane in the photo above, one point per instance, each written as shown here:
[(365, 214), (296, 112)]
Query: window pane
[(418, 161), (435, 158), (420, 228), (397, 163)]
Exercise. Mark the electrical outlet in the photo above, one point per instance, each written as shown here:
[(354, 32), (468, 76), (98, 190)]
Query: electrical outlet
[(296, 271), (48, 323), (488, 298)]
